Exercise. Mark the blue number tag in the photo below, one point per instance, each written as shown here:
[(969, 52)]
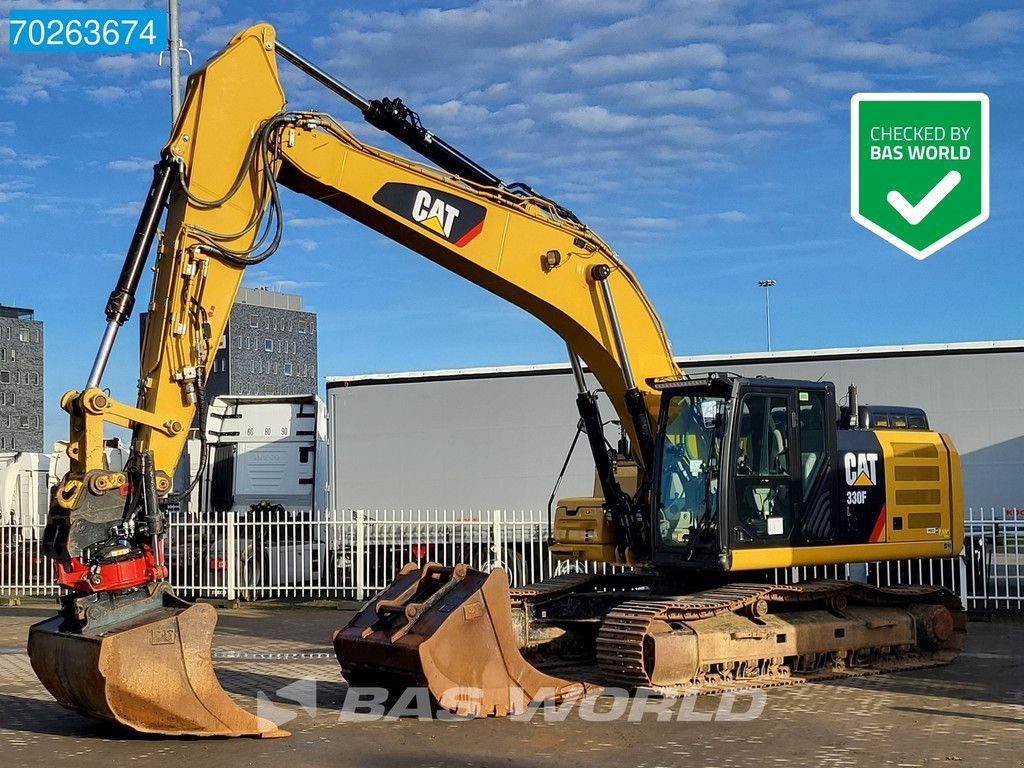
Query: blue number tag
[(81, 31)]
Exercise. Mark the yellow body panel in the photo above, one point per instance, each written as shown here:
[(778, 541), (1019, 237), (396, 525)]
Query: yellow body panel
[(922, 478), (918, 487), (783, 557), (582, 531)]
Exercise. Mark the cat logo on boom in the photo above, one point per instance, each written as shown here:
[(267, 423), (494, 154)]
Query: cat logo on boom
[(861, 468), (433, 213), (456, 220)]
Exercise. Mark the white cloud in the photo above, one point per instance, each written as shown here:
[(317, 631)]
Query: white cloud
[(199, 15), (131, 164), (311, 221), (7, 128), (598, 119), (109, 93), (993, 27), (839, 80), (12, 190), (126, 209), (662, 94), (695, 56), (781, 117), (708, 98), (121, 65), (218, 35), (303, 243), (156, 84), (883, 53), (35, 161), (9, 156), (731, 217), (35, 83), (455, 111)]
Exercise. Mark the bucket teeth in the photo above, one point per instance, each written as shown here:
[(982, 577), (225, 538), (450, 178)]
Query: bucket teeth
[(449, 629), (153, 674)]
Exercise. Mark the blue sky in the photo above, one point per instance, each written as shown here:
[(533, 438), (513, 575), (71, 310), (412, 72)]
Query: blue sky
[(708, 143)]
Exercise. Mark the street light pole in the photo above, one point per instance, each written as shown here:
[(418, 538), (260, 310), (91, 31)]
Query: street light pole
[(767, 284)]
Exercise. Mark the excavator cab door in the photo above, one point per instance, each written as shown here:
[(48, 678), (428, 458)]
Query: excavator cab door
[(765, 494), (782, 459)]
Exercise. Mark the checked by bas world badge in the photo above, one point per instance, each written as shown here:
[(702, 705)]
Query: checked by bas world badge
[(919, 167)]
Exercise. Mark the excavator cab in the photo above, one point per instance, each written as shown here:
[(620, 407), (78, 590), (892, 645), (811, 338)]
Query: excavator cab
[(740, 463), (760, 473)]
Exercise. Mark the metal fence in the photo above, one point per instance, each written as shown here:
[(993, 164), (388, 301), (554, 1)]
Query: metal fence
[(354, 554)]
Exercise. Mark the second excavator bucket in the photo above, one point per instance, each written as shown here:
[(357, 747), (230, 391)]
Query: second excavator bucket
[(152, 673), (449, 629)]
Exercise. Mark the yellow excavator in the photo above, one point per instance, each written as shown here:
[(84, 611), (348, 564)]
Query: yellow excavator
[(723, 477)]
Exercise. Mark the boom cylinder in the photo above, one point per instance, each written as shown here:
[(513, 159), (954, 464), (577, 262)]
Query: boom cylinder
[(392, 116), (122, 298), (635, 403)]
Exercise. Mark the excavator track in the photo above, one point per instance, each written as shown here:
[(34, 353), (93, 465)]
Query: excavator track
[(737, 615)]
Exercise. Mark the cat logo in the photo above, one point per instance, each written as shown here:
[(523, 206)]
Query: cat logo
[(434, 214), (456, 220), (861, 468)]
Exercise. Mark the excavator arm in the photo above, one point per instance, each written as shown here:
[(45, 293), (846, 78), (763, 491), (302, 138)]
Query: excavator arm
[(216, 186), (217, 178)]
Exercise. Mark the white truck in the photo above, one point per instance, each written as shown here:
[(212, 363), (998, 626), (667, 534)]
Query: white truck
[(262, 448), (266, 477)]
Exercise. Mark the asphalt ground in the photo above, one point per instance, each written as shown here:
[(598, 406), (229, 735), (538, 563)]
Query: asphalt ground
[(970, 713)]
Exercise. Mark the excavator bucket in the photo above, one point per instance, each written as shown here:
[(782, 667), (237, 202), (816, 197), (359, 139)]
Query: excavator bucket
[(450, 630), (152, 673)]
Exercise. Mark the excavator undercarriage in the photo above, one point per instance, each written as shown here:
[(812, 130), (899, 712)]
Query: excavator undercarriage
[(616, 631)]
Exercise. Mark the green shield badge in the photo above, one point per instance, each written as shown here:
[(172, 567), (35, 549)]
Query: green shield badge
[(919, 167)]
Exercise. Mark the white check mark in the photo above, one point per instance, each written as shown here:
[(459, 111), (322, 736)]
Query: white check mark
[(914, 214)]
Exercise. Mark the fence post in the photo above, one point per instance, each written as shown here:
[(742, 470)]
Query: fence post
[(963, 579), (359, 560), (231, 545), (496, 542)]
